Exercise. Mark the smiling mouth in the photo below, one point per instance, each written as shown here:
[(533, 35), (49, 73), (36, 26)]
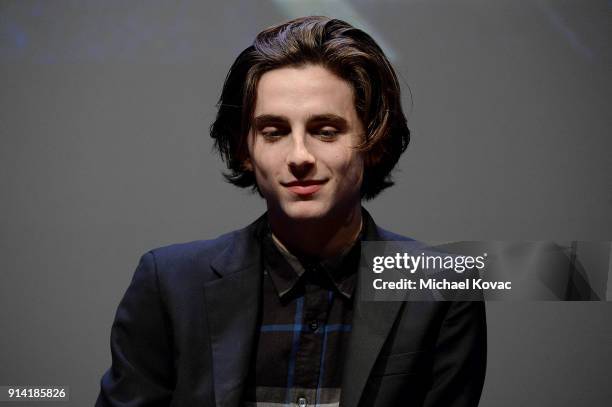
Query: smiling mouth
[(304, 188)]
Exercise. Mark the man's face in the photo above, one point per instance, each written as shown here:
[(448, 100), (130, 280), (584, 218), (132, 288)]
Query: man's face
[(301, 143)]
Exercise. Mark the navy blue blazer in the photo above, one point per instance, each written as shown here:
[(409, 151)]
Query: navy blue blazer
[(183, 335)]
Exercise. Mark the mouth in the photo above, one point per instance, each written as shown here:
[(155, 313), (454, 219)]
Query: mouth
[(305, 187)]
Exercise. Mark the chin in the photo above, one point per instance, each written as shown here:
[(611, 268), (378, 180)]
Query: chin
[(305, 210)]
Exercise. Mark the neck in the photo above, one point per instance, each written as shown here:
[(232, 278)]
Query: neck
[(317, 238)]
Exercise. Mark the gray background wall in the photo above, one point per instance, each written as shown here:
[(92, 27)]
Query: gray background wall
[(104, 111)]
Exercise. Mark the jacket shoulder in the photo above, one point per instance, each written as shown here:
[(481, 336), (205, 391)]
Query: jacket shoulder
[(196, 250), (190, 262)]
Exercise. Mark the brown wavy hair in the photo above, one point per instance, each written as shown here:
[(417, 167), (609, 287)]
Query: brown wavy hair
[(346, 51)]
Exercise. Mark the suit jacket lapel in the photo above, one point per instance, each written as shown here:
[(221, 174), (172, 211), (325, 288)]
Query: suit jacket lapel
[(372, 322), (232, 308)]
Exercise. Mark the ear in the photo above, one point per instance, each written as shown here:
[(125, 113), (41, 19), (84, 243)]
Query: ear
[(244, 153), (247, 164)]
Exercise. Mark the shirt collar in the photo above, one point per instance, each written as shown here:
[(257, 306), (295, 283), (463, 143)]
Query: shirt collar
[(286, 270)]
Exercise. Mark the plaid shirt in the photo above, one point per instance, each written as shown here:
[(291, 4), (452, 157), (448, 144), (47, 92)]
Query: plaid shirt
[(304, 328)]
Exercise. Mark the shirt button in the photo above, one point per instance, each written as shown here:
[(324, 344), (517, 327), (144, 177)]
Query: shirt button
[(302, 402), (313, 325)]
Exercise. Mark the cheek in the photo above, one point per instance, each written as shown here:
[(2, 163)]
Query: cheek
[(262, 159), (358, 167), (351, 166), (268, 168)]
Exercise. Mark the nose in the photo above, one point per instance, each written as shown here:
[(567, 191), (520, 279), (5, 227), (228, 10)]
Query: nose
[(300, 159)]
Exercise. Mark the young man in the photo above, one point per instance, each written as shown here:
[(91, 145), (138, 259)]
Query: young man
[(270, 315)]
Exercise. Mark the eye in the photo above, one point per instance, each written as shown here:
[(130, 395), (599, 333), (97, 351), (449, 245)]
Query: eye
[(327, 133), (270, 133)]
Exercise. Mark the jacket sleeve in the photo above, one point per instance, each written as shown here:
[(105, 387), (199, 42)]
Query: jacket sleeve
[(460, 357), (142, 371)]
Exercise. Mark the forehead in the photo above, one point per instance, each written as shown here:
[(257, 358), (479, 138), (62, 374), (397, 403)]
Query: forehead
[(303, 91)]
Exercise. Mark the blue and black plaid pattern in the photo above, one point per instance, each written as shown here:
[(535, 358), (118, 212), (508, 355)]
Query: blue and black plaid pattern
[(304, 329)]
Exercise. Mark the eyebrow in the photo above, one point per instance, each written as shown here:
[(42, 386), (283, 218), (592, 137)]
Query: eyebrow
[(270, 119)]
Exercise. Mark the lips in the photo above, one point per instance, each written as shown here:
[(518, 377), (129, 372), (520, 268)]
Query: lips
[(304, 188)]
